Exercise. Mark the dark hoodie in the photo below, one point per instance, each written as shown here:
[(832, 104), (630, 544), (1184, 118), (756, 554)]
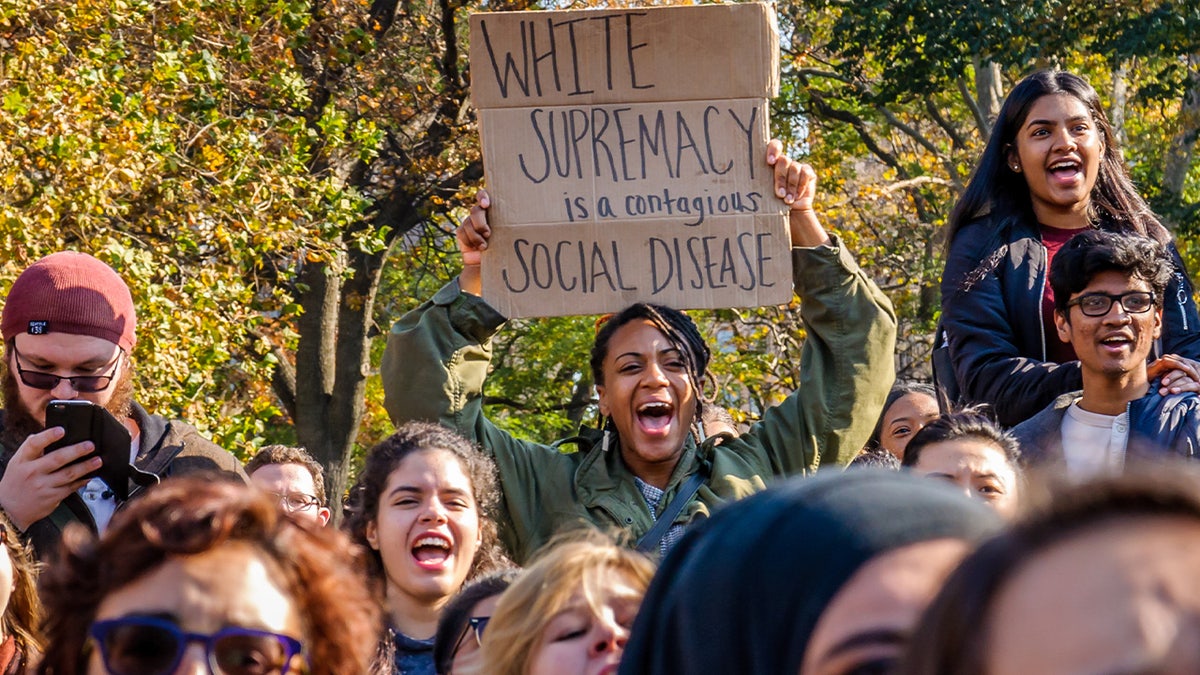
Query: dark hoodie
[(742, 592)]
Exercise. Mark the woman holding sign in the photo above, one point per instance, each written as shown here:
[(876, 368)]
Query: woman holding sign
[(651, 463)]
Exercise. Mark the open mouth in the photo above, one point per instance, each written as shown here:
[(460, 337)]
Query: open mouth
[(1115, 342), (655, 417), (431, 551), (1066, 170)]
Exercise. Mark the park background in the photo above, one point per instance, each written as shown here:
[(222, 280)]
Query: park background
[(278, 181)]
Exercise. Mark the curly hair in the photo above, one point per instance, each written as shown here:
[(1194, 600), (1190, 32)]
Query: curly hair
[(23, 617), (190, 515), (384, 458), (1092, 252), (283, 454)]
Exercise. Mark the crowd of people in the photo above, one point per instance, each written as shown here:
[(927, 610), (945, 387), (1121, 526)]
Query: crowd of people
[(1028, 513)]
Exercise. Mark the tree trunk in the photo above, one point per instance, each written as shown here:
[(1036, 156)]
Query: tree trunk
[(1183, 145), (1120, 97), (332, 362), (989, 93)]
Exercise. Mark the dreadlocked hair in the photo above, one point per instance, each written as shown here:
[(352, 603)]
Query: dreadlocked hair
[(678, 328)]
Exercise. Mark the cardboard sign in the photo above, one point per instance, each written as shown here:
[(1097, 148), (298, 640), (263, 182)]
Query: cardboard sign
[(625, 154)]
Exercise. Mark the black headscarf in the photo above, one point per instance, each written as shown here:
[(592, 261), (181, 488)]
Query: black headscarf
[(742, 592)]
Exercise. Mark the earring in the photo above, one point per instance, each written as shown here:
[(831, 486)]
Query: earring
[(604, 440)]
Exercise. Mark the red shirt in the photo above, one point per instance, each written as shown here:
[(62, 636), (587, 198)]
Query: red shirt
[(1057, 351)]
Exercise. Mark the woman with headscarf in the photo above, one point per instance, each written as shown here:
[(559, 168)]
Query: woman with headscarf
[(821, 575)]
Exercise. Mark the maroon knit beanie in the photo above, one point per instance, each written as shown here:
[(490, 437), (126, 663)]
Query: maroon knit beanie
[(72, 293)]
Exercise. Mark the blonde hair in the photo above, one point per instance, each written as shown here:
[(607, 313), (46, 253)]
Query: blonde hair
[(567, 566)]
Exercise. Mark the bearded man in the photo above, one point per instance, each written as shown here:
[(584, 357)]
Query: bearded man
[(69, 330)]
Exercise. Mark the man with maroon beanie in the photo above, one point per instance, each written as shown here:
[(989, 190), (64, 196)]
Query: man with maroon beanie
[(69, 330)]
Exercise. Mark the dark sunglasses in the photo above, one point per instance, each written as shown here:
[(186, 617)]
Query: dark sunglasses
[(147, 645), (475, 626), (86, 384)]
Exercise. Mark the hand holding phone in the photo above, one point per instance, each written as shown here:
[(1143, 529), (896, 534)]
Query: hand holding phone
[(84, 421), (36, 481)]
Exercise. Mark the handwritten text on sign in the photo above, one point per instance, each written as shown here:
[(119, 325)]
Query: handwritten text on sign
[(624, 151)]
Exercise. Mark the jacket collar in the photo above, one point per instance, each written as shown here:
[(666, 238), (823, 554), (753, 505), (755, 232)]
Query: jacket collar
[(152, 429), (604, 472)]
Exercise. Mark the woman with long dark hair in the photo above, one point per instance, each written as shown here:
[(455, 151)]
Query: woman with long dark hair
[(651, 463), (1051, 169)]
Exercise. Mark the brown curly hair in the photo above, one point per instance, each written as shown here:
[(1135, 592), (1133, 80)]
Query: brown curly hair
[(363, 505), (190, 515), (23, 617)]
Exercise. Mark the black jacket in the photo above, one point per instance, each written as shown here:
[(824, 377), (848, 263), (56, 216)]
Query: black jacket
[(992, 290), (1158, 426), (167, 447)]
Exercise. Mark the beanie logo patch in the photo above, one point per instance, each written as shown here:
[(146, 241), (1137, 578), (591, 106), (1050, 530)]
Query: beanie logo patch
[(39, 327)]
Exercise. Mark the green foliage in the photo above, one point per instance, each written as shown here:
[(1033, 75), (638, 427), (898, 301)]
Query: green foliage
[(213, 151), (893, 96)]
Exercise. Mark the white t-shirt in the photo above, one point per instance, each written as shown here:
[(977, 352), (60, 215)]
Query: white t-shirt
[(1093, 444)]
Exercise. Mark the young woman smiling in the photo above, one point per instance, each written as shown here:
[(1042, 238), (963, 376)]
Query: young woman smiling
[(420, 510), (908, 408), (1051, 169), (649, 363)]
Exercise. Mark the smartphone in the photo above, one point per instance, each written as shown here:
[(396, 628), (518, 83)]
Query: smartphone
[(85, 421)]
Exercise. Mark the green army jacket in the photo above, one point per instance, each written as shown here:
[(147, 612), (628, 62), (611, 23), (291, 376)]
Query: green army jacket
[(437, 357)]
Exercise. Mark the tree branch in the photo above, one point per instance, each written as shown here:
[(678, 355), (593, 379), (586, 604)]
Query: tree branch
[(860, 127), (980, 119), (536, 410), (951, 131)]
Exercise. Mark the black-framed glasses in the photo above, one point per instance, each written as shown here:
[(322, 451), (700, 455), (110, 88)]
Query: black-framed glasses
[(148, 645), (475, 626), (1099, 304), (296, 501), (85, 384)]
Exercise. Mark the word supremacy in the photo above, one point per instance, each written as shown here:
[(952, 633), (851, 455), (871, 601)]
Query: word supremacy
[(625, 154)]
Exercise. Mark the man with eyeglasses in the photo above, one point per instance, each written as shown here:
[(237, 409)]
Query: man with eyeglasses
[(1108, 293), (294, 477), (68, 325)]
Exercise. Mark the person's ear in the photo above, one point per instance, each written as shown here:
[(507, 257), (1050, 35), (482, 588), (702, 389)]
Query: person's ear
[(602, 398), (323, 515), (1011, 158), (372, 534), (1063, 325), (1158, 323)]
